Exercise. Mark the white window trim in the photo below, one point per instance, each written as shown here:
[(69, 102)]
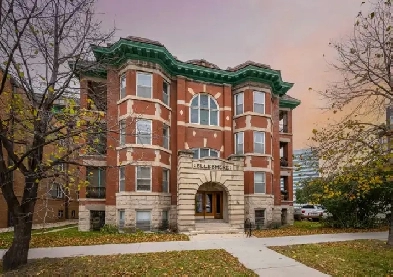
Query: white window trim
[(264, 101), (236, 142), (120, 179), (235, 100), (136, 178), (263, 143), (125, 87), (169, 93), (151, 130), (199, 110), (122, 132), (168, 178), (264, 181), (210, 149), (151, 84), (168, 137)]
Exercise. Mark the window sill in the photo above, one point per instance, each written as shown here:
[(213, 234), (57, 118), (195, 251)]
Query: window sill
[(148, 146), (134, 97), (252, 113), (199, 126)]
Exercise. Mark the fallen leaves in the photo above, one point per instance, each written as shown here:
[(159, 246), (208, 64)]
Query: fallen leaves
[(349, 258), (173, 263), (308, 228), (72, 237)]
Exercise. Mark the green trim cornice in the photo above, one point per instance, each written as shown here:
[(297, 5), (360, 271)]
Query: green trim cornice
[(289, 103), (118, 53)]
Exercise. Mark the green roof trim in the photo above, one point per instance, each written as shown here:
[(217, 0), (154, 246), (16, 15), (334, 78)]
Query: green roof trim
[(125, 49), (289, 103)]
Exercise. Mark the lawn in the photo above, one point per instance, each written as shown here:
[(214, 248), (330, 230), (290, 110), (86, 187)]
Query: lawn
[(72, 237), (350, 258), (174, 263), (301, 228)]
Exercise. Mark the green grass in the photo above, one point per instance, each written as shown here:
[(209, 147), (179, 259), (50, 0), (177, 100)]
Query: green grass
[(174, 263), (349, 258), (302, 228), (73, 237)]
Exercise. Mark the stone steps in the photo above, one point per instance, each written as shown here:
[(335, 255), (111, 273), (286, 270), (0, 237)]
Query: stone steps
[(215, 228)]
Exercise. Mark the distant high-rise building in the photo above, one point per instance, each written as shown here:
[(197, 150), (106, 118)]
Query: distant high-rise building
[(306, 163)]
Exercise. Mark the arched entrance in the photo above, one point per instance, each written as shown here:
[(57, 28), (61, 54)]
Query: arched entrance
[(211, 202), (209, 188)]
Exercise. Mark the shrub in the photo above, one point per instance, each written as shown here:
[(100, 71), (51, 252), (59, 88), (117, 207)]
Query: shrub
[(109, 229)]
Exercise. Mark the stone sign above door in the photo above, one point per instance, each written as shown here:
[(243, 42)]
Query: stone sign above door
[(212, 165)]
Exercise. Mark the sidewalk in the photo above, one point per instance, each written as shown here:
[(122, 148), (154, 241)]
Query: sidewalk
[(252, 252)]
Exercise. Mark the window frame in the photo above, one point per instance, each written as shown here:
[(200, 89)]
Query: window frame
[(237, 143), (122, 178), (99, 169), (198, 108), (123, 90), (167, 128), (264, 101), (263, 181), (136, 178), (143, 211), (150, 134), (166, 94), (236, 98), (151, 83), (119, 213), (263, 143), (167, 180), (122, 132), (199, 152)]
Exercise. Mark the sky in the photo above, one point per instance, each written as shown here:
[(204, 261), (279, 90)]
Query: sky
[(291, 36)]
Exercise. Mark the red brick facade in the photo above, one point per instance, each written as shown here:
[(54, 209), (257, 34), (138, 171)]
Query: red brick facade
[(186, 135)]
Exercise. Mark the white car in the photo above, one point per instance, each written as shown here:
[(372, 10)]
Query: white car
[(312, 212)]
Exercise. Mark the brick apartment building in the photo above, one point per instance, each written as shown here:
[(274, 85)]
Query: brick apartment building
[(193, 143), (52, 201)]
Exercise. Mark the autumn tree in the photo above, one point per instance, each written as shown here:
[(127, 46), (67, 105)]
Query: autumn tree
[(351, 149), (38, 39)]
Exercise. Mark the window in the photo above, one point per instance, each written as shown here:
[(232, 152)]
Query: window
[(204, 110), (122, 179), (165, 93), (60, 213), (259, 142), (122, 216), (123, 86), (56, 191), (143, 131), (165, 220), (73, 214), (122, 132), (143, 178), (259, 102), (165, 180), (96, 176), (239, 106), (205, 152), (259, 218), (143, 219), (239, 145), (165, 136), (259, 182), (144, 84)]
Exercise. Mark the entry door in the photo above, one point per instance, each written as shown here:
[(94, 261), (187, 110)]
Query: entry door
[(209, 204)]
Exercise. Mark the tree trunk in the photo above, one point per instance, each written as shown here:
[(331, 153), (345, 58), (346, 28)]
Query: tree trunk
[(16, 255)]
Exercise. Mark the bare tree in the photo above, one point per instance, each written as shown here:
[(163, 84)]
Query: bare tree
[(365, 65), (38, 39)]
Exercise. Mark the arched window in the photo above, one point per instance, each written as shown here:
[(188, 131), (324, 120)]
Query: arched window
[(204, 110), (205, 152)]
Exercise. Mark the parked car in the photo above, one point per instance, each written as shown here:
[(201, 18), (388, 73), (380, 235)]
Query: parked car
[(310, 212)]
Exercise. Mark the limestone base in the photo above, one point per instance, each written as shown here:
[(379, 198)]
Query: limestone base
[(84, 215)]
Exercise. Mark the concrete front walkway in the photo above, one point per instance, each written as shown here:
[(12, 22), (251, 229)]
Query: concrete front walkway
[(252, 252)]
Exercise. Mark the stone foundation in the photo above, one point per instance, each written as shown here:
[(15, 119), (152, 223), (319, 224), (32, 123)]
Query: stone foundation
[(131, 202), (254, 202)]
